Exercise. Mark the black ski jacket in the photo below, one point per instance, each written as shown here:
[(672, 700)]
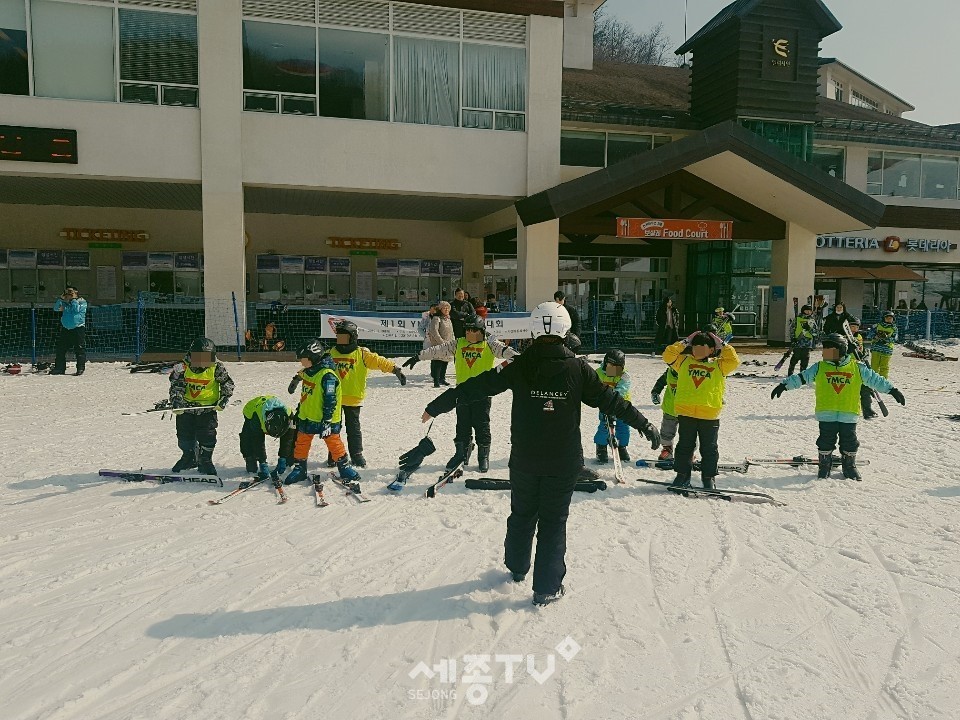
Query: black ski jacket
[(549, 383)]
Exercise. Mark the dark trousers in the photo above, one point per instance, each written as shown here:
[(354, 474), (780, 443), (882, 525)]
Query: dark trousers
[(690, 430), (351, 421), (253, 444), (438, 371), (473, 417), (538, 504), (829, 431), (197, 427), (866, 400), (70, 340), (799, 355)]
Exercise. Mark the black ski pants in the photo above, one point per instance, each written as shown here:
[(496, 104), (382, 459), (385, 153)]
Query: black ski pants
[(539, 504), (197, 427), (351, 423), (866, 400), (72, 339), (847, 432), (690, 430), (438, 371), (253, 442), (474, 417), (801, 356)]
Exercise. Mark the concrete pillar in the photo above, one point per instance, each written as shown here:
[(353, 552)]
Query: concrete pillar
[(221, 92), (851, 293), (855, 172), (793, 264), (538, 245)]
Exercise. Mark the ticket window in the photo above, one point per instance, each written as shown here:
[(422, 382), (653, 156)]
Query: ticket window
[(134, 283), (23, 285), (161, 281), (50, 285), (408, 289), (189, 284), (386, 289), (268, 286), (429, 289), (315, 288), (83, 281), (339, 287), (4, 284)]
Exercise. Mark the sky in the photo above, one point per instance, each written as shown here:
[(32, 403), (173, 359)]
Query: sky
[(908, 48)]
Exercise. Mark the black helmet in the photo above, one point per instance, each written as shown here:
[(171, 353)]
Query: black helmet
[(806, 307), (615, 357), (705, 337), (889, 313), (475, 323), (835, 340), (313, 350), (276, 421), (203, 344), (853, 321), (347, 327)]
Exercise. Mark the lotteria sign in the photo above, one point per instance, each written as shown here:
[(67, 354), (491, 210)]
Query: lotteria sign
[(675, 229), (890, 244)]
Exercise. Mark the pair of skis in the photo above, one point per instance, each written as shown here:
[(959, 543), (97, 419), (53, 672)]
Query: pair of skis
[(743, 467), (728, 495), (352, 489), (161, 478), (852, 344)]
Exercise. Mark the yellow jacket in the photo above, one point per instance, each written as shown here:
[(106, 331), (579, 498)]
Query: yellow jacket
[(703, 397), (352, 369)]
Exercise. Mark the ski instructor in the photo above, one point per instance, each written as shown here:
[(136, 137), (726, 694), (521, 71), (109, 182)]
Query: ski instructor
[(549, 383)]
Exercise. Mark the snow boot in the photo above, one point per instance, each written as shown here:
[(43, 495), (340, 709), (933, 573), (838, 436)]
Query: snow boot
[(542, 599), (849, 463), (587, 474), (346, 470), (666, 453), (358, 460), (251, 465), (708, 483), (187, 461), (518, 577), (825, 465), (297, 473), (483, 457), (330, 461), (682, 480), (205, 464), (602, 456), (462, 455), (624, 455)]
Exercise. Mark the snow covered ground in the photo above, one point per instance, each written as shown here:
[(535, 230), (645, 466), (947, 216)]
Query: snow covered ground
[(128, 601)]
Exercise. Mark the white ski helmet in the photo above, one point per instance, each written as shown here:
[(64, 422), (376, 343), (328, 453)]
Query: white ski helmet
[(550, 318)]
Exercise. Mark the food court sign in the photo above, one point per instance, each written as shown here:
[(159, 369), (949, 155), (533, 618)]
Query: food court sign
[(890, 243), (674, 229)]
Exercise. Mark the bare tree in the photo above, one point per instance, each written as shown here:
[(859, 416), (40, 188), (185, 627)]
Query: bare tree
[(615, 40)]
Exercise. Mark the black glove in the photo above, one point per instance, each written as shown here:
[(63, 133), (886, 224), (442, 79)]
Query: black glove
[(777, 391), (411, 362), (412, 459), (655, 397), (400, 376), (898, 396), (651, 434), (292, 387)]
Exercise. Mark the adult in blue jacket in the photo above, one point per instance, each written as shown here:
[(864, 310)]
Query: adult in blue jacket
[(73, 321)]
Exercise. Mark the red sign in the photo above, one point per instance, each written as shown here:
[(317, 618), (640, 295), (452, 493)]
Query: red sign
[(675, 229)]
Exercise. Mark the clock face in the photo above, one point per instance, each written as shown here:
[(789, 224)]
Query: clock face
[(46, 145)]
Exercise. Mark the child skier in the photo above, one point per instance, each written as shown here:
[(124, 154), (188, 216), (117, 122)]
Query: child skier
[(612, 374), (267, 415), (837, 381), (804, 336), (884, 335), (472, 355), (320, 411), (722, 325), (199, 381), (701, 362), (352, 363), (860, 353), (668, 425)]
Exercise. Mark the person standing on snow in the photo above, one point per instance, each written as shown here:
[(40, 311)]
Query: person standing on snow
[(73, 322), (833, 322), (612, 373), (883, 336), (804, 337), (837, 381), (549, 383)]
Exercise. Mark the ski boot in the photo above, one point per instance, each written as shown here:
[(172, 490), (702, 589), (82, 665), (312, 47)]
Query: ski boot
[(483, 457), (602, 456), (708, 483), (849, 463), (587, 474), (297, 473), (330, 461), (542, 599), (666, 453), (358, 460), (624, 455), (346, 470), (462, 455), (518, 577), (682, 480), (205, 464), (825, 464), (251, 465), (187, 461)]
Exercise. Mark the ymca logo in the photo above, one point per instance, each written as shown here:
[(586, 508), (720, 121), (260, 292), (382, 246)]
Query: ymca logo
[(838, 380), (699, 373), (344, 366), (195, 387), (307, 389), (470, 355)]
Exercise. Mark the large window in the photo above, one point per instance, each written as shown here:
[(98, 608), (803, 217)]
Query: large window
[(354, 75), (279, 57), (158, 57), (599, 149), (911, 175), (830, 160), (426, 79), (494, 87), (14, 68), (73, 50)]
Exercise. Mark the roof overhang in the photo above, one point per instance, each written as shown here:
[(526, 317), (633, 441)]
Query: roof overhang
[(859, 272), (733, 159)]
